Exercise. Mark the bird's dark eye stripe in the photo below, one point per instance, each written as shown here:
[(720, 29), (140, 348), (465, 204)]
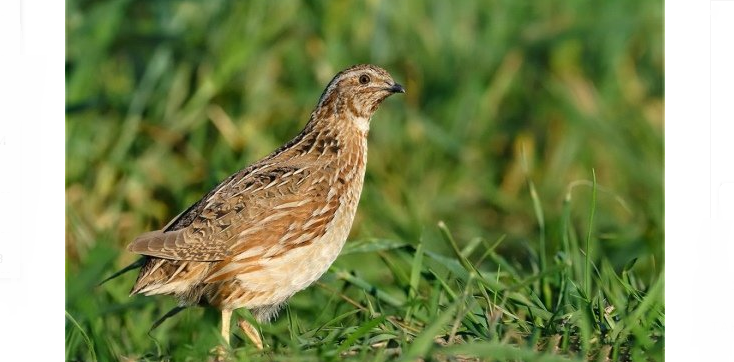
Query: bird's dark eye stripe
[(364, 79)]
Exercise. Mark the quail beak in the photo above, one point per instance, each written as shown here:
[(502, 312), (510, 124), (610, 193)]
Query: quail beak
[(396, 88)]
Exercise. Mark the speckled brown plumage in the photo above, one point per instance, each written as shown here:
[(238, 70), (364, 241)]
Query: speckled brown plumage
[(276, 226)]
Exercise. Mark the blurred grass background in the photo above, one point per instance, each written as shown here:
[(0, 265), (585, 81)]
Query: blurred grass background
[(167, 98)]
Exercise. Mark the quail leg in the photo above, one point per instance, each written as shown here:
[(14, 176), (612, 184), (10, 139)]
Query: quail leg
[(221, 350), (251, 333), (226, 316)]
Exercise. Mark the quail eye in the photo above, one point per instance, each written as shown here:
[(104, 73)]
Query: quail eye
[(364, 79)]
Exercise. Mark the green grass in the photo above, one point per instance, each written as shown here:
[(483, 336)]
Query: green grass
[(513, 203)]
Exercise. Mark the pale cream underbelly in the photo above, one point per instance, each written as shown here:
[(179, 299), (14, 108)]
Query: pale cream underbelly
[(283, 276)]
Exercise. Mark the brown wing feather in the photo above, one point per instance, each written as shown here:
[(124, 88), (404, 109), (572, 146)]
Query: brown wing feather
[(295, 227), (263, 206), (187, 217)]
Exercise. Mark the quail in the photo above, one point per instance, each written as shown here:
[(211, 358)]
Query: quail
[(274, 227)]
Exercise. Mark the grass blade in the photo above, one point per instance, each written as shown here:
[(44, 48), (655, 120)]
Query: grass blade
[(587, 271), (368, 288), (361, 331), (501, 351), (90, 346), (415, 274), (424, 342)]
